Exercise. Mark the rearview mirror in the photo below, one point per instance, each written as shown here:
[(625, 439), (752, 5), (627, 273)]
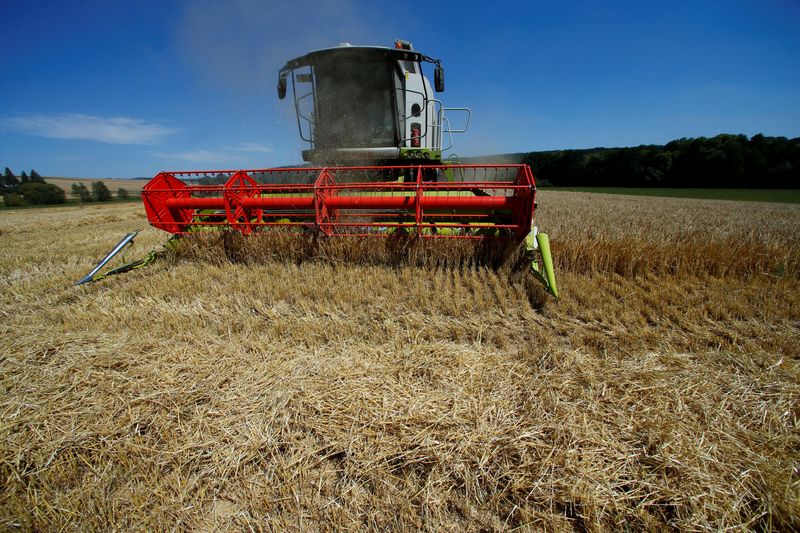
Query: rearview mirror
[(281, 87), (438, 79)]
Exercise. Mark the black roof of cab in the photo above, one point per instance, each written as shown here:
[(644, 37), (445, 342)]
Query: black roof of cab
[(352, 52)]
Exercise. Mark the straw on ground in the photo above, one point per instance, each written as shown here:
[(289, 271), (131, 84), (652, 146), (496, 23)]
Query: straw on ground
[(313, 392)]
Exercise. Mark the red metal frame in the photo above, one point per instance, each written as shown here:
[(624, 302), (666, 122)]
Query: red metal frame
[(335, 201)]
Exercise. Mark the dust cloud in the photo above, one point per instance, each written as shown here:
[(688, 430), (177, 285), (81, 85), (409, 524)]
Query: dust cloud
[(242, 44)]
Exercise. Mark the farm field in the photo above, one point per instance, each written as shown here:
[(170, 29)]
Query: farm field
[(277, 393), (746, 195), (132, 186)]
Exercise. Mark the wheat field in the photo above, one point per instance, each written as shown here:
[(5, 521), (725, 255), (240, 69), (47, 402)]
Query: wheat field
[(240, 385), (133, 186)]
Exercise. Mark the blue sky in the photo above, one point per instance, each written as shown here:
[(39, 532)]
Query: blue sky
[(123, 89)]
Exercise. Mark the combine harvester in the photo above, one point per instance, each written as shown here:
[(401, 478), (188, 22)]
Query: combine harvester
[(375, 132)]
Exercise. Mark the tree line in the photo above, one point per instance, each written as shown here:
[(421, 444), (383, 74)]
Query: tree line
[(724, 161), (31, 189), (99, 192)]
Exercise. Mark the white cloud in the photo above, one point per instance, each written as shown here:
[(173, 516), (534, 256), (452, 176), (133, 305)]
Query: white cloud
[(229, 155), (111, 130), (250, 147), (196, 156)]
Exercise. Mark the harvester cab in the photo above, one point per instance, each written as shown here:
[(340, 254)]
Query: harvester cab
[(375, 133), (369, 105)]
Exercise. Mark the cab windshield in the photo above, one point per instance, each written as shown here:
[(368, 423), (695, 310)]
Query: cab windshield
[(354, 103)]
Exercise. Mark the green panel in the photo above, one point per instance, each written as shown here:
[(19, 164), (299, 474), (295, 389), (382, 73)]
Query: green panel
[(547, 277)]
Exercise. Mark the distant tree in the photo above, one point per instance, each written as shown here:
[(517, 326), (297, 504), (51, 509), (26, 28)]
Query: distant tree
[(35, 177), (42, 193), (12, 199), (100, 192), (23, 178), (81, 193), (9, 181), (722, 161), (123, 194), (212, 180)]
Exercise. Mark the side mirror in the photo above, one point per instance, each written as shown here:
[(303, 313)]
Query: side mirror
[(282, 87), (438, 79)]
